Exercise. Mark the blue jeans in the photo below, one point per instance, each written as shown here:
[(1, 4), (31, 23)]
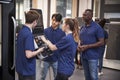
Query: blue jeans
[(100, 64), (101, 59), (45, 66), (90, 69)]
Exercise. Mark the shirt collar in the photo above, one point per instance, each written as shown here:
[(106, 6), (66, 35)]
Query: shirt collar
[(90, 24), (29, 28), (54, 29)]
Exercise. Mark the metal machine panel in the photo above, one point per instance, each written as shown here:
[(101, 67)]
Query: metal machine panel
[(113, 45)]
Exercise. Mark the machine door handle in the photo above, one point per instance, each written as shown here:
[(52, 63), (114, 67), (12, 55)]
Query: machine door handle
[(14, 42), (6, 2)]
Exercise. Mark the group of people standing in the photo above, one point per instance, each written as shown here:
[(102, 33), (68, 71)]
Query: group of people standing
[(64, 42)]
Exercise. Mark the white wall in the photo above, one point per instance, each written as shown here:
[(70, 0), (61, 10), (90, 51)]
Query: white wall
[(84, 4), (43, 5), (52, 8)]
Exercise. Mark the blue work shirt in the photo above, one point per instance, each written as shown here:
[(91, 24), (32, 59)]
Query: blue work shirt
[(25, 41), (54, 35), (90, 35), (67, 47), (102, 48)]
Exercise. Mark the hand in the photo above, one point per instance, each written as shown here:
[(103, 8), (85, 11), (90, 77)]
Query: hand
[(83, 47), (80, 48), (41, 49)]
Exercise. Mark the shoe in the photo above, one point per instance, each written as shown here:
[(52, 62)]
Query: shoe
[(79, 67), (100, 73)]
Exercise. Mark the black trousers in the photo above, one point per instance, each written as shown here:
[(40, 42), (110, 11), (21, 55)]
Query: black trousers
[(61, 76), (22, 77)]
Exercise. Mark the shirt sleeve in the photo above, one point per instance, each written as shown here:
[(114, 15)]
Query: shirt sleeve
[(63, 44), (29, 43), (106, 34), (100, 32)]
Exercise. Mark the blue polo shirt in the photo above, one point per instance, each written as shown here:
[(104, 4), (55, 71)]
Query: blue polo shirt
[(54, 35), (25, 41), (90, 35), (102, 48), (67, 47)]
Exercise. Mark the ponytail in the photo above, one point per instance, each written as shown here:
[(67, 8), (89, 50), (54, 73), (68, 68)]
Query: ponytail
[(74, 27), (76, 30)]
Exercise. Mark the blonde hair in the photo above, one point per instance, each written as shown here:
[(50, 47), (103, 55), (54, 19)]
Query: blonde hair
[(74, 27)]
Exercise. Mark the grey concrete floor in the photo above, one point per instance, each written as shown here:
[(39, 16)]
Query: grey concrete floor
[(78, 74), (109, 74)]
